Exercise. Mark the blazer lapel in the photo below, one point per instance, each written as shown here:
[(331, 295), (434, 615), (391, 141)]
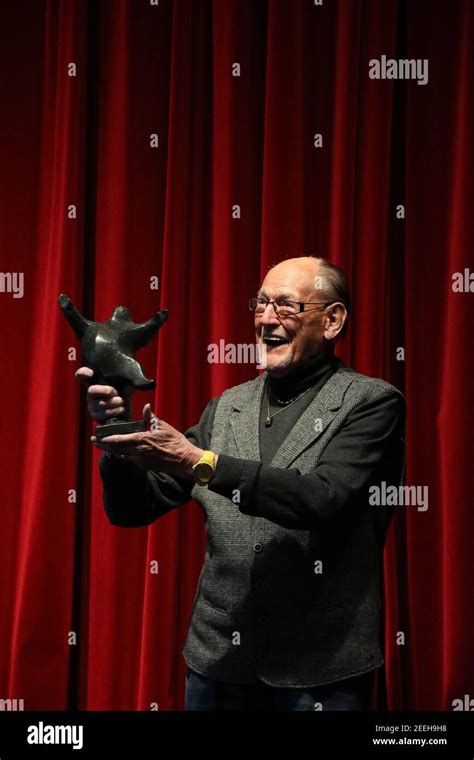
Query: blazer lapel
[(315, 419), (245, 418)]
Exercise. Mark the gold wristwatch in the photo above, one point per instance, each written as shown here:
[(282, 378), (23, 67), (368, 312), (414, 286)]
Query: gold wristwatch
[(205, 468)]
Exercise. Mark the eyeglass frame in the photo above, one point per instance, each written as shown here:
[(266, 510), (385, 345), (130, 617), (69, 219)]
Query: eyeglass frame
[(301, 305)]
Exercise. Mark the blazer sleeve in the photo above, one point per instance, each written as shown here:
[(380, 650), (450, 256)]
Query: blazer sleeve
[(370, 441), (134, 497)]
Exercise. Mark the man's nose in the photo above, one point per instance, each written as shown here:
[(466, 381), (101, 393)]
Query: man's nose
[(269, 316)]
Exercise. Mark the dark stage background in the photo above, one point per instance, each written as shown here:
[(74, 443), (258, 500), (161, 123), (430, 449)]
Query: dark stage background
[(167, 212)]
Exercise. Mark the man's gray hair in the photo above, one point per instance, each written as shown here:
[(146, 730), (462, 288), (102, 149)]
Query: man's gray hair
[(335, 287)]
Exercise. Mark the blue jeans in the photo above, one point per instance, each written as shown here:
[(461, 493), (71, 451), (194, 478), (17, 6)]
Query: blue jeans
[(203, 693)]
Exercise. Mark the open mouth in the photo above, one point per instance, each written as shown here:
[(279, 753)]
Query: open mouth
[(273, 341)]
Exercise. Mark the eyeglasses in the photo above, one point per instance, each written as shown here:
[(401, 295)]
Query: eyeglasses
[(283, 307)]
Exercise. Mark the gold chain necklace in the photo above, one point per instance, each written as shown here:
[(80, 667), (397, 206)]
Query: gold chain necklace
[(269, 418)]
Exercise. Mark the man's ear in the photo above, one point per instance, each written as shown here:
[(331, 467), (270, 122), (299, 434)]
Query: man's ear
[(335, 318)]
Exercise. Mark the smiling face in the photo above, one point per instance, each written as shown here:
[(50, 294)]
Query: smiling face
[(296, 339)]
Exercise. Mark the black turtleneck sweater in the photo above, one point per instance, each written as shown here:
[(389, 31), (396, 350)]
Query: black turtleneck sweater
[(306, 382), (284, 496)]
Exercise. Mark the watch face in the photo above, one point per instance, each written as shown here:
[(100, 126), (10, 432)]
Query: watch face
[(203, 471)]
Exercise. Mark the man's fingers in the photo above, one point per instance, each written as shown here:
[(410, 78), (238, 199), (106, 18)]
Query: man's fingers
[(84, 375), (103, 401), (102, 409), (121, 446), (150, 418), (116, 440), (109, 403), (102, 391), (115, 411)]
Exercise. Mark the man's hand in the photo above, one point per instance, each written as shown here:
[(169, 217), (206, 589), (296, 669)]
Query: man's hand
[(103, 401), (161, 447)]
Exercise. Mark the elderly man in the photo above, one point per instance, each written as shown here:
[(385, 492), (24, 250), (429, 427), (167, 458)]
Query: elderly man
[(287, 613)]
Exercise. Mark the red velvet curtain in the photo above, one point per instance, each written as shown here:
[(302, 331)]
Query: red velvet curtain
[(93, 205)]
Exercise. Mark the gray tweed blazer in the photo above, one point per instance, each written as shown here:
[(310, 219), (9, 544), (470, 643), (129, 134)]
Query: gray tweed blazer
[(260, 609)]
